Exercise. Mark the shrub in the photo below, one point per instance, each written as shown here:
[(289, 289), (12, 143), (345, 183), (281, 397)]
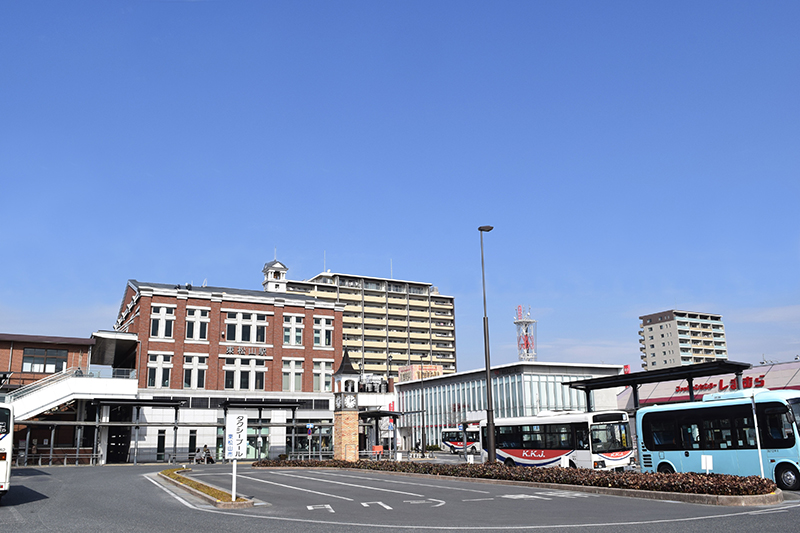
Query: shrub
[(689, 482), (219, 495)]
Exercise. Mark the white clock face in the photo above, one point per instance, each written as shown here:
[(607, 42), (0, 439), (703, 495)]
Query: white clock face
[(349, 401), (338, 402)]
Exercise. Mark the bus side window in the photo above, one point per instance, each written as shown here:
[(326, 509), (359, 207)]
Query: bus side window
[(582, 438), (690, 433), (777, 426)]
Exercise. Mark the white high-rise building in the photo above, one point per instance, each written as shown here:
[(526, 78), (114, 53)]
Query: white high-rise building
[(408, 321), (674, 338)]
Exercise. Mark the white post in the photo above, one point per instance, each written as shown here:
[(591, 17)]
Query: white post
[(233, 489), (758, 438)]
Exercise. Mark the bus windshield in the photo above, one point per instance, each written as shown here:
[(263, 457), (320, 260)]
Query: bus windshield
[(614, 437), (795, 405)]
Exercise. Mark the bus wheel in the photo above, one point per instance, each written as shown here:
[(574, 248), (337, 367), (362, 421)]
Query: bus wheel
[(472, 450), (787, 478), (509, 462), (665, 468)]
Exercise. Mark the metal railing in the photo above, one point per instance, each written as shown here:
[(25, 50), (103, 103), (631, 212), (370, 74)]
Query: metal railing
[(57, 458), (67, 373)]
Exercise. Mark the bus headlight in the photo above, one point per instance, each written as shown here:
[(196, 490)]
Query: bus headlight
[(599, 464)]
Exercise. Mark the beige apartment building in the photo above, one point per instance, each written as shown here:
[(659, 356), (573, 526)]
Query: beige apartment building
[(674, 338), (386, 323)]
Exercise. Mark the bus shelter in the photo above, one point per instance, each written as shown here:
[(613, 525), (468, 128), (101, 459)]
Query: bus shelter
[(688, 372)]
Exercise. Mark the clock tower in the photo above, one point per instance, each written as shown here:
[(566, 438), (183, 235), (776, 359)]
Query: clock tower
[(345, 411)]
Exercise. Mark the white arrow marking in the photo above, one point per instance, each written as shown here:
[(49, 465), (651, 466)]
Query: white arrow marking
[(441, 502), (328, 507), (524, 497), (366, 504)]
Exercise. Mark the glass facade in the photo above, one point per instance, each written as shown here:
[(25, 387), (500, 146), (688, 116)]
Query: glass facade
[(518, 391)]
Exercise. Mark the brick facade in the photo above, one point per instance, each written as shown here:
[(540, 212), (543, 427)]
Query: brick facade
[(142, 299), (345, 435), (43, 353)]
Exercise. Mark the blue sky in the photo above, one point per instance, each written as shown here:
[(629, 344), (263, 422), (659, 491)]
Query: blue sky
[(176, 141)]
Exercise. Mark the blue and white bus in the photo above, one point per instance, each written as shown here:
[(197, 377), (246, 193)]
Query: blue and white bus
[(731, 428), (6, 446)]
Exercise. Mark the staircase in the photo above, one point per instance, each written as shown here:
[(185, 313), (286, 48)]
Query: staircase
[(67, 385)]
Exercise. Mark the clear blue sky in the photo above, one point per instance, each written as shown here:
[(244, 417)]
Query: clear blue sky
[(181, 141)]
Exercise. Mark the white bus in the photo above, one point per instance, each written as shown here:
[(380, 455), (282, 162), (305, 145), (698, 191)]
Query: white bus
[(6, 447), (745, 433), (600, 440), (453, 439)]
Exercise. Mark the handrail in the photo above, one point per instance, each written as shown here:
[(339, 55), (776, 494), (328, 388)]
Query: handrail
[(41, 383), (118, 373)]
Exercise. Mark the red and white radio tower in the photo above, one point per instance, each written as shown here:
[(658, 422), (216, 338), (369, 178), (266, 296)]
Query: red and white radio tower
[(526, 335)]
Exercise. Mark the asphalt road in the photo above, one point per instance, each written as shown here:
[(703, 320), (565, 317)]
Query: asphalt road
[(128, 498)]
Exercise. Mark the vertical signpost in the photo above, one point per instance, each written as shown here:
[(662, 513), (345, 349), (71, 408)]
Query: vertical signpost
[(310, 428), (235, 442)]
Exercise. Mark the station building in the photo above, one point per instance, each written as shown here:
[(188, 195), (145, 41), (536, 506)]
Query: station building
[(157, 386)]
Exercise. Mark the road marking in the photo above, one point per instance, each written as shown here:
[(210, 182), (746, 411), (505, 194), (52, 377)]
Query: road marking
[(524, 497), (407, 483), (325, 506), (350, 484), (296, 488), (479, 500), (527, 527), (367, 504), (165, 489), (429, 500)]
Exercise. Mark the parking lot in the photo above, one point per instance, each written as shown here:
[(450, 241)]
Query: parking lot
[(128, 498)]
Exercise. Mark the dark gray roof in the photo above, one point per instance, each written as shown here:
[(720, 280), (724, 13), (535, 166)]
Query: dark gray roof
[(224, 290), (698, 370), (346, 367), (42, 339), (275, 262)]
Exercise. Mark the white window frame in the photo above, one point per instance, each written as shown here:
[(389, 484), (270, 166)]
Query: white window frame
[(253, 320), (323, 332), (165, 315), (196, 316), (293, 368), (157, 363), (252, 368), (294, 326), (323, 375), (195, 364)]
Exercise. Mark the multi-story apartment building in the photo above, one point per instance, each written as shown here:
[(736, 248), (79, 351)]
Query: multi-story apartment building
[(674, 338), (383, 318)]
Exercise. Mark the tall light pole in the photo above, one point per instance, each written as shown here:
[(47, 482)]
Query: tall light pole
[(492, 456)]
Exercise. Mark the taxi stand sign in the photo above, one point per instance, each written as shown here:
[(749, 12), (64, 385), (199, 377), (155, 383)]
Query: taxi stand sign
[(235, 442)]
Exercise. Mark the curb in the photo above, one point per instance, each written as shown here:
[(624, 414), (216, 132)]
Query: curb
[(702, 499), (203, 496)]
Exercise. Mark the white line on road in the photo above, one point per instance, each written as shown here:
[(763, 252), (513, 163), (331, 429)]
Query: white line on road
[(367, 504), (406, 483), (527, 527), (295, 488), (349, 484)]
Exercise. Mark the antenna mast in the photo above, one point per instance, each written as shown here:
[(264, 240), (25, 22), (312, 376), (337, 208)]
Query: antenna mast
[(526, 335)]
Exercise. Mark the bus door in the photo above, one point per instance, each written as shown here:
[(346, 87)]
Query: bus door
[(690, 461), (583, 454)]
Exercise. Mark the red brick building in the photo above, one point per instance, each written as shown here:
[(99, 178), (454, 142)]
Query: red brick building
[(32, 357), (222, 339)]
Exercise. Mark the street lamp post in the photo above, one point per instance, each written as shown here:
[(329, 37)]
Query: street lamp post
[(492, 457)]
